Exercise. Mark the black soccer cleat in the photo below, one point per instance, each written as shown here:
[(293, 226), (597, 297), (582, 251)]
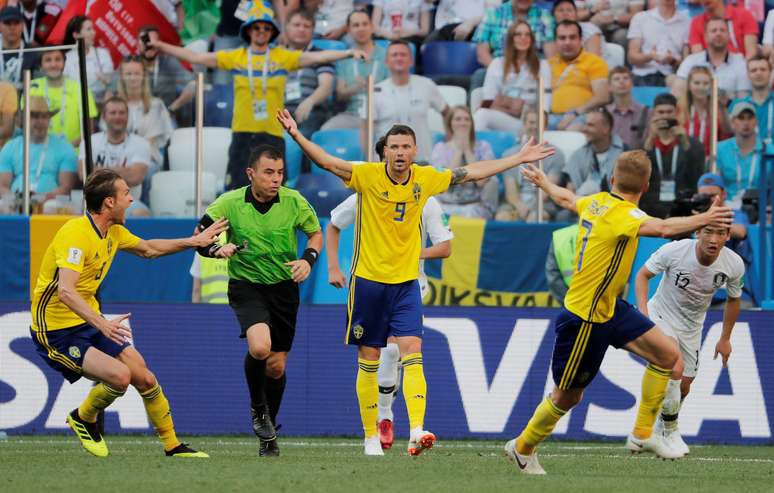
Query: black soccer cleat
[(269, 448), (262, 425)]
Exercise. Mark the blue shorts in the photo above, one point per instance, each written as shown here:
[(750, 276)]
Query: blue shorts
[(64, 349), (377, 310), (580, 346)]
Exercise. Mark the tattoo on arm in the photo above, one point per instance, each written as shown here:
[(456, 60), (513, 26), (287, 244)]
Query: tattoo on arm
[(459, 175)]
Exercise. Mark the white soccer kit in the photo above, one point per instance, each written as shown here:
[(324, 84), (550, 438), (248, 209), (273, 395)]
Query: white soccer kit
[(684, 294), (434, 225)]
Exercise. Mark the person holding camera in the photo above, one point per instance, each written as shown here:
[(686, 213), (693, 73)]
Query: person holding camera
[(678, 160)]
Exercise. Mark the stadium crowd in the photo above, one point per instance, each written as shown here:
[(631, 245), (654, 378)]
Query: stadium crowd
[(465, 75)]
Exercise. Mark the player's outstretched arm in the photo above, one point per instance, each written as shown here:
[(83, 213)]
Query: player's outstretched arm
[(717, 216), (479, 170), (730, 316), (563, 197), (158, 248), (339, 167), (641, 285)]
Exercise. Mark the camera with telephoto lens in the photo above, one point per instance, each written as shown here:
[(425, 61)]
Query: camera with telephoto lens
[(688, 204)]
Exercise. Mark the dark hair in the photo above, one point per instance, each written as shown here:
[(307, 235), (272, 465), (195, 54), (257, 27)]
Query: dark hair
[(115, 99), (61, 52), (148, 28), (304, 14), (74, 25), (713, 19), (399, 129), (263, 150), (559, 2), (357, 11), (400, 42), (566, 23), (606, 116), (665, 98), (100, 185), (759, 57), (620, 69), (379, 147)]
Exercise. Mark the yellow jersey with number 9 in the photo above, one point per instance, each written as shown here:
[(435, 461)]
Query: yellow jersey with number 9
[(388, 225), (78, 246), (605, 249)]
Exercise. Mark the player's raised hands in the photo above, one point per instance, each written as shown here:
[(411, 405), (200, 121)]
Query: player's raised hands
[(719, 215), (534, 175), (115, 331), (287, 121), (299, 270), (723, 348), (209, 235), (532, 152)]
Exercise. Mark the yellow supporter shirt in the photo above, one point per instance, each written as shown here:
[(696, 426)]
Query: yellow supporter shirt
[(571, 81), (388, 225), (281, 61), (67, 122), (607, 242), (77, 246)]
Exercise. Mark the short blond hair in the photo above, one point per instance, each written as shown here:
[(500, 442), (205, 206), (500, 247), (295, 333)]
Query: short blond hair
[(632, 171)]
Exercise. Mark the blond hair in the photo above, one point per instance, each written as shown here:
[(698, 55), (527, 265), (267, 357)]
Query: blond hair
[(632, 171)]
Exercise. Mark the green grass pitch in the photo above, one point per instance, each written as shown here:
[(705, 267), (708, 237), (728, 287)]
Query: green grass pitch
[(137, 464)]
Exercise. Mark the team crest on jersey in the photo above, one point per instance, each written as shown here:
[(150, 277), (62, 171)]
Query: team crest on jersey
[(595, 209), (357, 331), (719, 280), (417, 192), (74, 352), (110, 245)]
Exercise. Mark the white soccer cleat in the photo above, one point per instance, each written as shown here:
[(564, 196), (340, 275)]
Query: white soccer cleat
[(528, 464), (654, 444), (373, 446), (420, 441), (673, 439)]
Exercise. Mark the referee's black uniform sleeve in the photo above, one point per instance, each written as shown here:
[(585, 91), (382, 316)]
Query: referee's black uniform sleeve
[(209, 250)]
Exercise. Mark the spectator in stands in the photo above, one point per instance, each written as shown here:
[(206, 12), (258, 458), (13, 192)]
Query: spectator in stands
[(11, 28), (9, 104), (405, 98), (99, 63), (226, 36), (728, 67), (589, 169), (744, 28), (148, 117), (613, 17), (566, 10), (491, 33), (126, 153), (520, 196), (630, 118), (456, 20), (578, 79), (694, 104), (330, 16), (352, 74), (307, 90), (257, 97), (658, 42), (740, 157), (711, 185), (759, 73), (52, 158), (40, 17), (512, 82), (678, 159), (460, 147), (173, 11), (62, 94), (408, 20)]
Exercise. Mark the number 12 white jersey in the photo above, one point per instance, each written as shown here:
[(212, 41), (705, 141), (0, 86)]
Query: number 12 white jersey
[(686, 290)]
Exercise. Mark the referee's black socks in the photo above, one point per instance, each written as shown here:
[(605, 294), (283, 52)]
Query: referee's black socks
[(275, 388), (255, 373)]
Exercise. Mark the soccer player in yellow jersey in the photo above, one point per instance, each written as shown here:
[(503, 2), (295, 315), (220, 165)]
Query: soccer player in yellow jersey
[(68, 328), (593, 316), (384, 296)]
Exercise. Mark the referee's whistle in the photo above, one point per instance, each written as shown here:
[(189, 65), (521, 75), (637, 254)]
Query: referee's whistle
[(242, 246)]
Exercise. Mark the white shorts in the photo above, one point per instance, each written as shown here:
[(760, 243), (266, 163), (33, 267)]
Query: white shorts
[(688, 340)]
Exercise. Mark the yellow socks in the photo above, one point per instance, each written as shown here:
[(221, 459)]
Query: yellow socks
[(99, 398), (157, 407), (539, 427), (414, 389), (367, 387), (654, 384)]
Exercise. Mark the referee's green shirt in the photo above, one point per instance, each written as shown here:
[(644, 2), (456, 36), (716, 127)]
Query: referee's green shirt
[(271, 236)]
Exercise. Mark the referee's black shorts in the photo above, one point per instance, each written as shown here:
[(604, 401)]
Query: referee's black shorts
[(273, 304)]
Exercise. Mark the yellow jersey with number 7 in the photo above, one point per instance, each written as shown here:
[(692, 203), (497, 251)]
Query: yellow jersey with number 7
[(605, 249), (388, 224)]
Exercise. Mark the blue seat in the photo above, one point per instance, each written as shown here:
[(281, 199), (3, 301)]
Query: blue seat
[(438, 137), (293, 158), (500, 141), (385, 43), (218, 105), (646, 94), (329, 44), (343, 143), (323, 191), (449, 58)]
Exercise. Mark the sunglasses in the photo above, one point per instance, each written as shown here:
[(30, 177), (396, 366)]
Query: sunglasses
[(261, 27), (132, 58), (39, 114)]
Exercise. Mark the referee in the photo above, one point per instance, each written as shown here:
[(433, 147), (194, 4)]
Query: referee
[(263, 275)]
